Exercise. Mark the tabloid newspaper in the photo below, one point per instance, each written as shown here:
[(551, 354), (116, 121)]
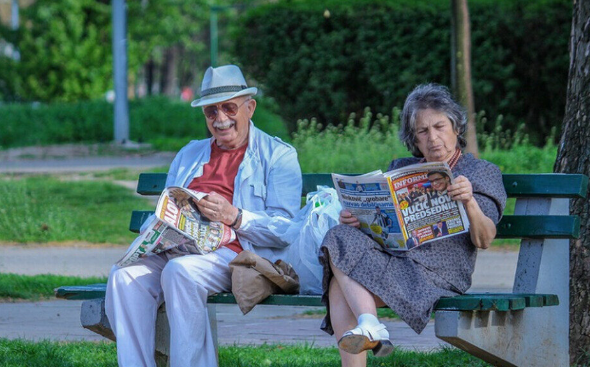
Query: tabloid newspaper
[(178, 227), (368, 198), (415, 200)]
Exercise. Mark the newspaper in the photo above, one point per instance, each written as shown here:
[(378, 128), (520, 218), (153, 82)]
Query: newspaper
[(368, 198), (404, 208), (179, 228), (424, 209)]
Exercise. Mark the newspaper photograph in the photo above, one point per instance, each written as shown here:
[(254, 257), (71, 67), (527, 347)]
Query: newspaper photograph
[(179, 228), (368, 198), (424, 209)]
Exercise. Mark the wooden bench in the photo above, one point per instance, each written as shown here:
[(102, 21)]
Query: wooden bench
[(528, 327)]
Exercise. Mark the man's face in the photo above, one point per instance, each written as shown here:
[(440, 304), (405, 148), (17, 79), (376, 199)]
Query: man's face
[(229, 121), (438, 181)]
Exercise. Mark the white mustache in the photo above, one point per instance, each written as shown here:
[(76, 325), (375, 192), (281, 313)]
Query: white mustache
[(223, 125)]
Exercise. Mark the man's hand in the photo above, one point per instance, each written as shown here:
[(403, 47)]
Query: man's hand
[(346, 217), (217, 208)]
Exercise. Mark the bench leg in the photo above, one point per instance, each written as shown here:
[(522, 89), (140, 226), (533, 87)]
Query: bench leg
[(93, 318), (163, 334), (524, 338), (212, 311), (162, 338)]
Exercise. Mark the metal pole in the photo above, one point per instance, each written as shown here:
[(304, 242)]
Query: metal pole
[(213, 31), (14, 13), (121, 127)]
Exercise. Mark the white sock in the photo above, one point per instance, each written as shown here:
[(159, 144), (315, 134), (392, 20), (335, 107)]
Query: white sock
[(368, 319)]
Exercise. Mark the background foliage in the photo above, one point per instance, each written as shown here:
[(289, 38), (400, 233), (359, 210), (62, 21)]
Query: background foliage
[(326, 60), (165, 123), (65, 47)]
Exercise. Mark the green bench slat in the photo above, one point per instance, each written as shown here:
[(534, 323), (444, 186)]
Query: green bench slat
[(511, 226), (550, 185), (538, 226), (312, 180), (151, 183), (466, 302), (496, 302), (526, 185), (137, 219), (75, 292), (275, 299)]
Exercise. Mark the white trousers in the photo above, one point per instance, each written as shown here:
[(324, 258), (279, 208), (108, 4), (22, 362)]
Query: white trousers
[(135, 292)]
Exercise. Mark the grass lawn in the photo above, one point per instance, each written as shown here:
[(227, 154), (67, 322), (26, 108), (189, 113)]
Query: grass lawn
[(18, 353), (44, 209), (38, 287)]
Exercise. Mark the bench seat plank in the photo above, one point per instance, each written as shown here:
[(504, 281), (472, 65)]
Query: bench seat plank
[(466, 302)]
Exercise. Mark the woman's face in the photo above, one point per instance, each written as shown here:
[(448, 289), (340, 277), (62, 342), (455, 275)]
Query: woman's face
[(435, 137)]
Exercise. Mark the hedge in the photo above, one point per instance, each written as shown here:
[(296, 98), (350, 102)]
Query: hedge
[(328, 59)]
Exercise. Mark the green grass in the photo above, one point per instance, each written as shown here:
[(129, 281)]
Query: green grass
[(18, 353), (44, 209), (37, 287)]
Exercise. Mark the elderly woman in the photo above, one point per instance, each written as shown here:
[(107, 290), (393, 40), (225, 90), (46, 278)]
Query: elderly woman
[(360, 276)]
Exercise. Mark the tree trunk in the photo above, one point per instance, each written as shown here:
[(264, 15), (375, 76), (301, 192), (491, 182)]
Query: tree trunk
[(168, 72), (461, 67), (574, 157)]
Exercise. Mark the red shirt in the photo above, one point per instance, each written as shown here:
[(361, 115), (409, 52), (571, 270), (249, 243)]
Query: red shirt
[(219, 176)]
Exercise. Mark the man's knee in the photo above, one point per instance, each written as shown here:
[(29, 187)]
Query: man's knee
[(178, 269)]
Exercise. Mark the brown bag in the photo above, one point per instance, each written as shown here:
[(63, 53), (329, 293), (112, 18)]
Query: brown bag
[(254, 278)]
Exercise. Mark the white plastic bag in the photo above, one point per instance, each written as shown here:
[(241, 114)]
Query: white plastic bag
[(305, 233)]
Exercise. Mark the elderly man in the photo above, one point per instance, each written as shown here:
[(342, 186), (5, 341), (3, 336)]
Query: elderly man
[(251, 177)]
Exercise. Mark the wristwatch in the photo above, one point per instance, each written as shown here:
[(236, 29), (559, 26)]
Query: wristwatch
[(238, 217)]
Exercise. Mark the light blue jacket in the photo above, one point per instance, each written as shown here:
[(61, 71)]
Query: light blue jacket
[(268, 184)]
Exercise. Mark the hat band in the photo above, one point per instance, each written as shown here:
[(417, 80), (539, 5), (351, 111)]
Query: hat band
[(224, 89)]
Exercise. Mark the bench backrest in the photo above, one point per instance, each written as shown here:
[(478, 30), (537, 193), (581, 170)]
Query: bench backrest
[(540, 186)]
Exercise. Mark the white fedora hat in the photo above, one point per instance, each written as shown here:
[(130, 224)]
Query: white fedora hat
[(221, 84)]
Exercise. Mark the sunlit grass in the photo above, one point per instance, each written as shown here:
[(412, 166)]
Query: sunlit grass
[(38, 287), (43, 209), (18, 353)]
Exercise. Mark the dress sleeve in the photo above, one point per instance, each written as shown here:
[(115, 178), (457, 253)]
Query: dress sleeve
[(488, 189)]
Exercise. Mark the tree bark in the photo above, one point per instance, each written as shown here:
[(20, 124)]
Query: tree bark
[(461, 68), (574, 157)]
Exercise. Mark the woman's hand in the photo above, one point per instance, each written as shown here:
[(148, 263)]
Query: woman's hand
[(461, 190), (481, 228), (217, 208), (347, 218)]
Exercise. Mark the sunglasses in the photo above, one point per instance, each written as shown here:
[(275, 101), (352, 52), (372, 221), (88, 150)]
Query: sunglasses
[(230, 109)]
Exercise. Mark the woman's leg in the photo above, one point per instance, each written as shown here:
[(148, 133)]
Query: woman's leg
[(362, 304), (343, 319), (358, 298)]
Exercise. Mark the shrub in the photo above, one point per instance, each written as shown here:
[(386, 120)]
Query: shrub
[(327, 59), (167, 124)]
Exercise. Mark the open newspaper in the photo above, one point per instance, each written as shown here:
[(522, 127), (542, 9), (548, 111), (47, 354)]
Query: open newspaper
[(178, 227), (368, 198), (415, 200)]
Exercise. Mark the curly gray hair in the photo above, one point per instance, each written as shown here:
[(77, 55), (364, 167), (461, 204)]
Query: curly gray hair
[(436, 97)]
